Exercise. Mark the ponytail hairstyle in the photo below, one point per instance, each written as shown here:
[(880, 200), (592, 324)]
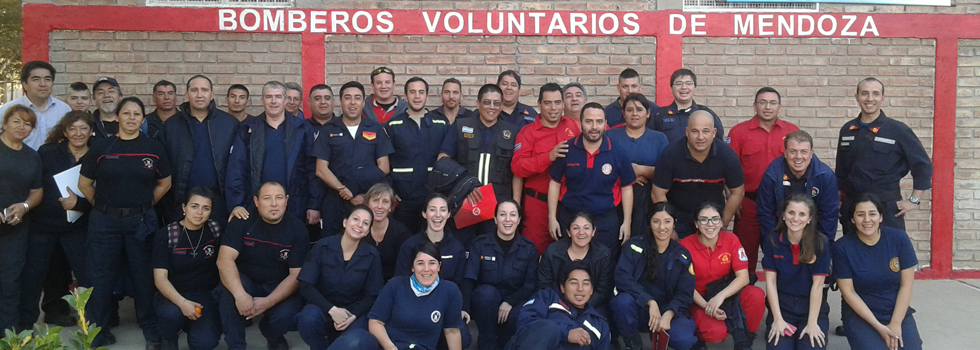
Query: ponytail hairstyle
[(652, 268), (812, 243)]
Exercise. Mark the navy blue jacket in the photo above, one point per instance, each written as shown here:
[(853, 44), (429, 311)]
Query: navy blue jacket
[(244, 175), (514, 273), (600, 262), (674, 289), (821, 185), (178, 139), (549, 306), (416, 150)]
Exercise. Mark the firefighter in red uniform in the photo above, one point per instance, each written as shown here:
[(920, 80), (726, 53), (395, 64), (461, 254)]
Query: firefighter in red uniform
[(538, 145), (757, 141)]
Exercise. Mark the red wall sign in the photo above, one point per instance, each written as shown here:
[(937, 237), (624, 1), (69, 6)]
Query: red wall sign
[(670, 27)]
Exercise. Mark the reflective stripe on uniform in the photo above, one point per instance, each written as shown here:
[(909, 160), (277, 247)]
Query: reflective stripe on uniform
[(402, 170)]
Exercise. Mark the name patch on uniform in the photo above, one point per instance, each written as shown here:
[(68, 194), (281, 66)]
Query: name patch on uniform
[(607, 169), (893, 264), (884, 140), (467, 130), (786, 183), (572, 164), (845, 143), (369, 135), (488, 258), (438, 122), (741, 255), (847, 138), (337, 135), (468, 136)]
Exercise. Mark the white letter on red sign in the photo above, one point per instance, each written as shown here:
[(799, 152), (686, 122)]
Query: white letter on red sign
[(799, 25), (629, 24), (557, 23), (697, 20), (500, 22), (459, 18), (602, 23), (673, 23), (367, 27), (316, 20), (339, 19), (226, 20), (743, 27), (384, 17), (274, 23), (469, 25), (578, 20), (869, 26), (431, 24), (258, 20), (297, 21), (833, 25), (765, 21)]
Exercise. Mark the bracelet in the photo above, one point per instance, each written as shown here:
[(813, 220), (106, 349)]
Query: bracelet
[(27, 207)]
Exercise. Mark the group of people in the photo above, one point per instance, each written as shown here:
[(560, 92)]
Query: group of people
[(608, 221)]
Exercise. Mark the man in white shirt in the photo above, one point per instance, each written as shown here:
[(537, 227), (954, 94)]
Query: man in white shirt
[(37, 78)]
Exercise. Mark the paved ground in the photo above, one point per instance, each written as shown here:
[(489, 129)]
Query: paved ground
[(946, 317)]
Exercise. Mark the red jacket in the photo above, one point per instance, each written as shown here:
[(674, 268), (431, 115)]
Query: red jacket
[(533, 147)]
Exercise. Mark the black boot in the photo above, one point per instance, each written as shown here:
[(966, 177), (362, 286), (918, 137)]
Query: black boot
[(168, 344), (632, 342)]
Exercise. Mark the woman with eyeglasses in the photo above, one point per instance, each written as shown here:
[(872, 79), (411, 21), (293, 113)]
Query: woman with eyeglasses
[(875, 269), (724, 302), (485, 147)]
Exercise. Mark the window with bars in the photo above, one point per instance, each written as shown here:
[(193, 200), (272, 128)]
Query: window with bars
[(725, 6), (222, 3)]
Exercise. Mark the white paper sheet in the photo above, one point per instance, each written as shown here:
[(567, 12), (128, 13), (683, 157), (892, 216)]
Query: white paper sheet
[(69, 179)]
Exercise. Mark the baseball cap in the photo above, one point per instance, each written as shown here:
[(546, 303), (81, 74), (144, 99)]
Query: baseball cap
[(103, 80)]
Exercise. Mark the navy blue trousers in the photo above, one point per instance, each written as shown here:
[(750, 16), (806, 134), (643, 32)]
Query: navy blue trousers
[(860, 334), (630, 318), (486, 302), (203, 333), (795, 311), (316, 327), (13, 254), (41, 247), (276, 321)]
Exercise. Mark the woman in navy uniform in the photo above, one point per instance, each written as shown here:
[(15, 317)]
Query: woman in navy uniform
[(387, 234), (413, 312), (500, 275), (340, 280), (797, 260), (453, 259), (579, 246), (654, 274), (185, 272), (875, 269), (133, 174)]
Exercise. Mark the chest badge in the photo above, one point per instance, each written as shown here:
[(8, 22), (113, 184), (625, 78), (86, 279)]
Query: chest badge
[(435, 316), (284, 254), (893, 264), (607, 169), (148, 163), (209, 250), (507, 134), (725, 258), (368, 135)]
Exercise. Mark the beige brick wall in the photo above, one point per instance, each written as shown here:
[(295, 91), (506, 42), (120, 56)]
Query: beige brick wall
[(966, 220), (817, 78), (140, 59), (595, 62)]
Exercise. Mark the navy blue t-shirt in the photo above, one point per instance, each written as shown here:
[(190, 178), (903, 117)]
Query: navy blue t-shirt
[(875, 270), (203, 172), (644, 150), (125, 171), (416, 320), (594, 180), (266, 252), (190, 269), (690, 182), (274, 168), (783, 258), (344, 283)]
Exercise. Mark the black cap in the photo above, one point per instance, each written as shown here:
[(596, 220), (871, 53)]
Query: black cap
[(105, 80)]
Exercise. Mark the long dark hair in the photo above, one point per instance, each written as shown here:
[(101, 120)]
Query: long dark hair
[(811, 244), (57, 133), (652, 268)]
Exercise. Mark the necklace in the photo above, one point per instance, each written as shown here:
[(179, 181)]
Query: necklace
[(199, 239)]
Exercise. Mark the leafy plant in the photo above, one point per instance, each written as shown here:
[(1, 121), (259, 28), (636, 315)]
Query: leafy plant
[(48, 338)]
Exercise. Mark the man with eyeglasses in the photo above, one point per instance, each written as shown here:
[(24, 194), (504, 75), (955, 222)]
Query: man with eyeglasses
[(539, 145), (672, 119), (485, 147), (698, 168), (629, 83), (757, 142), (382, 104)]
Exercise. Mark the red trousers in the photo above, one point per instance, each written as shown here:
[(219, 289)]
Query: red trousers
[(536, 223), (714, 331), (748, 232)]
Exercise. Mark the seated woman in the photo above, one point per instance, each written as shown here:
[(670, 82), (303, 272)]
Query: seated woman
[(655, 280), (413, 312), (875, 269), (185, 272), (387, 234), (503, 270), (340, 280), (579, 246), (562, 318), (796, 260), (453, 259), (724, 302)]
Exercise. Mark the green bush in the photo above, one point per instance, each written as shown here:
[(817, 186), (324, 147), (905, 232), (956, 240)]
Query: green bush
[(48, 339)]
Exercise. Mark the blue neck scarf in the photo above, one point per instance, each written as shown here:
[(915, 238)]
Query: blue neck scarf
[(420, 290)]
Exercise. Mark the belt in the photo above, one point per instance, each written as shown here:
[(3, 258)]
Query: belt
[(752, 195), (405, 170), (536, 195), (122, 212)]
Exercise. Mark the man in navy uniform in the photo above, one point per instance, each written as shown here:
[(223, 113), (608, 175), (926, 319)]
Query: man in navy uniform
[(874, 153), (672, 119), (452, 101), (629, 83), (513, 111)]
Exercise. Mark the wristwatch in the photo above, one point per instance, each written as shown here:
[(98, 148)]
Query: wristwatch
[(915, 200)]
